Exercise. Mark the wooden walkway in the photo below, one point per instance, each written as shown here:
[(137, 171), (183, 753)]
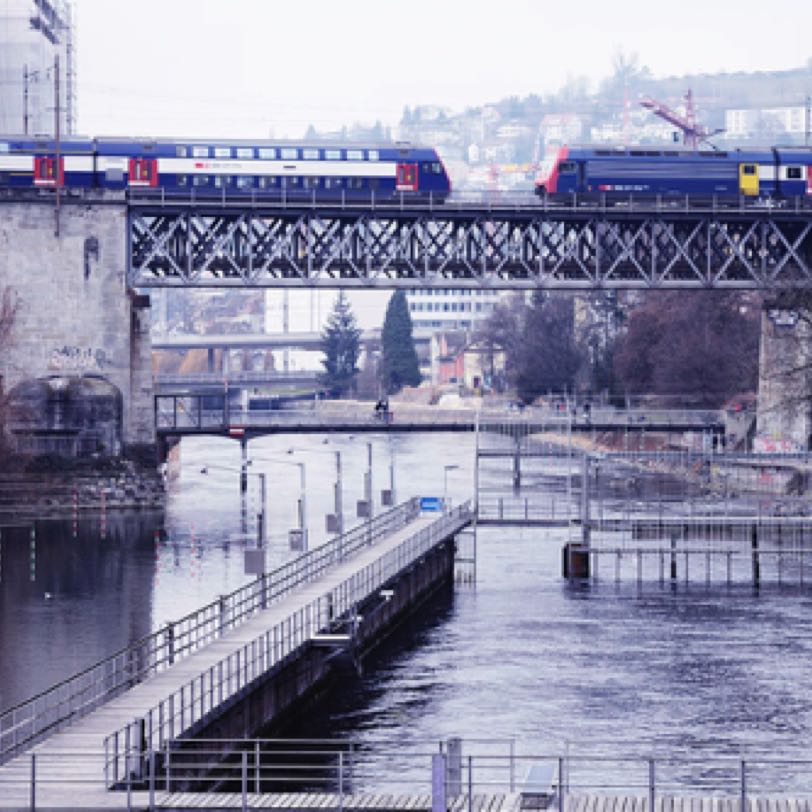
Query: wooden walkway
[(71, 764)]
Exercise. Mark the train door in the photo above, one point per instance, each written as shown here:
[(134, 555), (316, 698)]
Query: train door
[(406, 179), (143, 172), (748, 179), (47, 172)]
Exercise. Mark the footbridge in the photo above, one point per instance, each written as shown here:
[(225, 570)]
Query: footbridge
[(226, 670)]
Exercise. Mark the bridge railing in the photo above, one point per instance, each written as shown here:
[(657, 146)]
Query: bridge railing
[(196, 699), (28, 722), (466, 200)]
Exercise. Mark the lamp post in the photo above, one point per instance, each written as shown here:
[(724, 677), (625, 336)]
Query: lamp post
[(301, 507), (243, 472), (446, 469)]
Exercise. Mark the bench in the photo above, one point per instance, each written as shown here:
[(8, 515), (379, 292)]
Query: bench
[(539, 785)]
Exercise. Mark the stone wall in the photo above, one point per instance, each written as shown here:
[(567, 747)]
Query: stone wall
[(75, 314), (784, 389)]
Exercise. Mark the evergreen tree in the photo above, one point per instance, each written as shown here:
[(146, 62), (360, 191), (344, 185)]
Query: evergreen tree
[(341, 345), (399, 366)]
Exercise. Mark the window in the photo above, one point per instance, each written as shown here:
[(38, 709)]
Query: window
[(200, 152), (267, 153), (181, 152), (222, 152), (294, 181), (222, 180), (332, 155), (567, 166), (372, 155), (748, 169), (182, 180), (4, 147), (268, 183), (200, 180), (289, 153), (437, 168), (355, 155), (794, 173), (310, 154), (245, 152), (245, 182), (310, 183)]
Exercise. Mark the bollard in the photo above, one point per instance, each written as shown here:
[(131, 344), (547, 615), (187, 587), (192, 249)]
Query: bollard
[(756, 562), (673, 556), (438, 788)]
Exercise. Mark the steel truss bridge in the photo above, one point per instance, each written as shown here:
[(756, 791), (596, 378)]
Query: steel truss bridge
[(527, 245)]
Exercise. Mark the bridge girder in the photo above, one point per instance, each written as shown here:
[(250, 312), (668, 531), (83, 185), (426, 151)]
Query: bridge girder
[(515, 249)]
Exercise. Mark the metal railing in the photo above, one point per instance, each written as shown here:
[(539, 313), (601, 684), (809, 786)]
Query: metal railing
[(29, 721), (336, 774), (200, 696)]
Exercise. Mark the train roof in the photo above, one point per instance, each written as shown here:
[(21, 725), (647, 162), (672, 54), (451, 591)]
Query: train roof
[(654, 151)]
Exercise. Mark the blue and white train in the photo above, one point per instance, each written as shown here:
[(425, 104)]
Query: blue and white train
[(776, 173), (207, 168)]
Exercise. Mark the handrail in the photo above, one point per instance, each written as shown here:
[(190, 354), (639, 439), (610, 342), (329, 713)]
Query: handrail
[(197, 698), (29, 721)]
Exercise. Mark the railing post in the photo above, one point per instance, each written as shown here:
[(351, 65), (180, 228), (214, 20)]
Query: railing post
[(743, 807), (244, 781), (221, 609), (651, 797), (151, 780), (340, 781), (257, 785), (560, 784), (33, 782), (170, 642)]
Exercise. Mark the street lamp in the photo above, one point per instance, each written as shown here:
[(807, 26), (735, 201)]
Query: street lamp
[(302, 503), (261, 517), (446, 469)]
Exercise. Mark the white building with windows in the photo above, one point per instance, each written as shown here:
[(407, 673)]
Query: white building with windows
[(32, 34), (444, 309)]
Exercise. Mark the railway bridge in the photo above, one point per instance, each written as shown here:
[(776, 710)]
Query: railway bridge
[(81, 287)]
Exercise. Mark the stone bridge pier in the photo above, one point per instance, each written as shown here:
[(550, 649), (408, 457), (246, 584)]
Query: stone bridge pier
[(75, 317), (784, 420)]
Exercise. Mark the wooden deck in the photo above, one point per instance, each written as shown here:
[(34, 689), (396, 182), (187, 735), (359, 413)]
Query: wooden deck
[(70, 765)]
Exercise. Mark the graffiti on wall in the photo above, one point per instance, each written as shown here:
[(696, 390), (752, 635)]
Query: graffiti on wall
[(71, 358)]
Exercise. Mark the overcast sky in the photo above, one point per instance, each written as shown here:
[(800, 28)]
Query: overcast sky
[(254, 67)]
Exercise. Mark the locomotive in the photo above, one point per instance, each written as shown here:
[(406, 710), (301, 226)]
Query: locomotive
[(271, 170), (620, 172)]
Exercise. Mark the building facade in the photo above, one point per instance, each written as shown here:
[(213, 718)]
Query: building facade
[(444, 309), (34, 36)]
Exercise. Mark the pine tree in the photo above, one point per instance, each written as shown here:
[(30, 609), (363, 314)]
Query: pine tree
[(341, 345), (399, 367)]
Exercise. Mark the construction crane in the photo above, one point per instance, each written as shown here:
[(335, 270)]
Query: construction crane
[(692, 133)]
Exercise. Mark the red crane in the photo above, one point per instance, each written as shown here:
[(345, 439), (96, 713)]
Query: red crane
[(692, 133)]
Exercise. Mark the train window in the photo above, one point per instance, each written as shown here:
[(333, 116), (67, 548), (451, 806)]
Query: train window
[(222, 180), (310, 154), (332, 154), (245, 182), (289, 153), (200, 152), (266, 182), (182, 180), (437, 168), (567, 166), (222, 152), (333, 183), (245, 152), (794, 173), (294, 181), (181, 152), (749, 169), (355, 155), (200, 180), (4, 147), (310, 183), (373, 155), (267, 153)]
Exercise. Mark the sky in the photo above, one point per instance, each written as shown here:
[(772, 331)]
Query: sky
[(259, 68), (268, 68)]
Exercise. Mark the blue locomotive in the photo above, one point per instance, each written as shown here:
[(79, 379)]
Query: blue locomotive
[(620, 172), (206, 168)]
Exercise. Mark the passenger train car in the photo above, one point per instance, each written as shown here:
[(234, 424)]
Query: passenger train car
[(269, 170), (771, 173)]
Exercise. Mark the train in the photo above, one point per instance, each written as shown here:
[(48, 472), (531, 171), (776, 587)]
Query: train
[(613, 173), (281, 170)]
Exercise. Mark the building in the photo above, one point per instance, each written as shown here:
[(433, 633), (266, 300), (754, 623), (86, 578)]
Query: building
[(458, 359), (33, 34), (766, 122), (445, 309)]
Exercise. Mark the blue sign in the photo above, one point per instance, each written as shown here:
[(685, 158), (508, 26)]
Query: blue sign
[(431, 504)]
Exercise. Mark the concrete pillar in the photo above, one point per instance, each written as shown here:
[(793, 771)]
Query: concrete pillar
[(785, 383), (75, 315)]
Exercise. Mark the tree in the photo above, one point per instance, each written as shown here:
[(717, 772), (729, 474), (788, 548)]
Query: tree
[(502, 332), (699, 348), (548, 357), (399, 365), (341, 345)]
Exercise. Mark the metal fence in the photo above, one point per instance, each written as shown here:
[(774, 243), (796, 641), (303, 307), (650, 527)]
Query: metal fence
[(201, 695), (28, 722)]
